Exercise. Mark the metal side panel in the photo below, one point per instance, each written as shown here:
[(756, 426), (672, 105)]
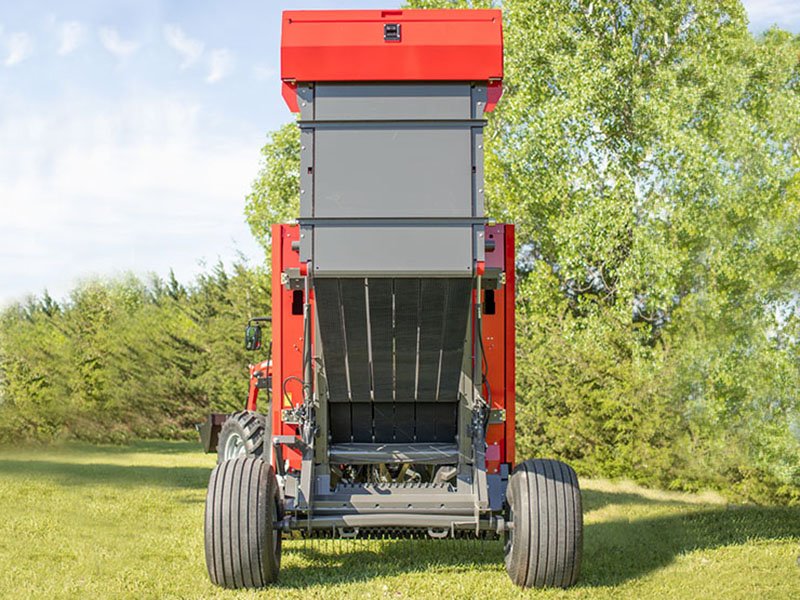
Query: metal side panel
[(366, 101), (392, 249), (306, 170), (369, 170)]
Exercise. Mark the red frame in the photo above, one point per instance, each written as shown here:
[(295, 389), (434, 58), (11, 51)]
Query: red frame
[(287, 345), (499, 343), (348, 45), (287, 337)]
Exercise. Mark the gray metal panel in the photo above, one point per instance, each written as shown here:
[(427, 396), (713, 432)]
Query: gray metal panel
[(479, 249), (389, 171), (479, 97), (364, 102), (305, 100), (477, 171), (306, 243), (306, 170), (387, 249)]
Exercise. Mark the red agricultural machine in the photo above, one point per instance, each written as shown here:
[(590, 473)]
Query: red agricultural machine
[(390, 386)]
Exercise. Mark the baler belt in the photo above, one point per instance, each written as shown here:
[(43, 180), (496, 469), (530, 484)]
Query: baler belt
[(406, 317), (330, 321), (354, 309), (381, 298)]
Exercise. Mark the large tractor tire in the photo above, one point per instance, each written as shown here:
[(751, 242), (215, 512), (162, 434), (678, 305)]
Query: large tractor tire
[(242, 533), (545, 543), (242, 434)]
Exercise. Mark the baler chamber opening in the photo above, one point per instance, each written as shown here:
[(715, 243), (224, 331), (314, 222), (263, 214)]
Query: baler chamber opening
[(393, 350)]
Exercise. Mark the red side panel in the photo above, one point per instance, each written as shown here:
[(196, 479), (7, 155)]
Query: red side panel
[(510, 302), (434, 45), (289, 93), (287, 337), (498, 344)]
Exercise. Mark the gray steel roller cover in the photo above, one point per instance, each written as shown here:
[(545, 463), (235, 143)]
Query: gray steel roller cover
[(392, 179)]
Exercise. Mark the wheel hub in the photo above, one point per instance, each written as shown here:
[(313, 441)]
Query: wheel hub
[(234, 447)]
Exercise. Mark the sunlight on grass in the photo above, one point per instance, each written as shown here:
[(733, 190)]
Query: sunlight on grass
[(108, 521)]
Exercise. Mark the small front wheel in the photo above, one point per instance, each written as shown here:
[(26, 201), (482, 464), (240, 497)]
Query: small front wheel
[(545, 542), (242, 434)]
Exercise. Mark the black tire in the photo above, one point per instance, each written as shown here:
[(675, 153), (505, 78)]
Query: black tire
[(243, 543), (545, 545), (242, 434)]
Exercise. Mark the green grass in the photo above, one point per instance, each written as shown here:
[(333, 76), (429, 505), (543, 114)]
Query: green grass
[(111, 522)]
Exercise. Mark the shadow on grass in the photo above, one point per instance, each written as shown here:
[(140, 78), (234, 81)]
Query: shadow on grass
[(614, 551), (595, 500), (617, 551), (331, 562), (69, 474)]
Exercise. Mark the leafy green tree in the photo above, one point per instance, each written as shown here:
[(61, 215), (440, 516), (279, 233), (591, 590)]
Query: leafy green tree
[(275, 194), (646, 151), (128, 358)]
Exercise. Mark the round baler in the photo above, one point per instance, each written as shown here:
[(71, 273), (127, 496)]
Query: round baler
[(390, 385)]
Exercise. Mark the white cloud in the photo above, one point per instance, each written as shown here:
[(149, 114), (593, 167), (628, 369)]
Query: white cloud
[(219, 65), (190, 49), (89, 186), (114, 43), (263, 73), (19, 46), (765, 13), (70, 35)]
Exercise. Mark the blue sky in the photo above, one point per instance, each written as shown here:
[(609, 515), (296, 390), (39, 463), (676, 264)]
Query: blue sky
[(130, 132)]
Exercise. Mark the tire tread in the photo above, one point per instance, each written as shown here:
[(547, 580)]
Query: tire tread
[(547, 538), (239, 527)]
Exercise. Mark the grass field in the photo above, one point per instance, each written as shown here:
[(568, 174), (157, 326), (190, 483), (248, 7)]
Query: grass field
[(113, 522)]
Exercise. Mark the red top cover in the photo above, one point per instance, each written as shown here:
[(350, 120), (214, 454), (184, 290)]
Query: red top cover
[(354, 45)]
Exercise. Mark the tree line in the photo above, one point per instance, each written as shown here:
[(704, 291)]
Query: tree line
[(128, 357)]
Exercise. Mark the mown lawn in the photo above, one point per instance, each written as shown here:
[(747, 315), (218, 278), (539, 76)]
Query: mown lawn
[(114, 522)]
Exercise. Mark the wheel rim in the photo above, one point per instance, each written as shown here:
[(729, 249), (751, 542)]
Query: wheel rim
[(234, 447), (276, 532), (509, 533)]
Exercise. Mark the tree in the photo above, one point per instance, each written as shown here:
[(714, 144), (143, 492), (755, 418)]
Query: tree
[(124, 358), (275, 194)]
